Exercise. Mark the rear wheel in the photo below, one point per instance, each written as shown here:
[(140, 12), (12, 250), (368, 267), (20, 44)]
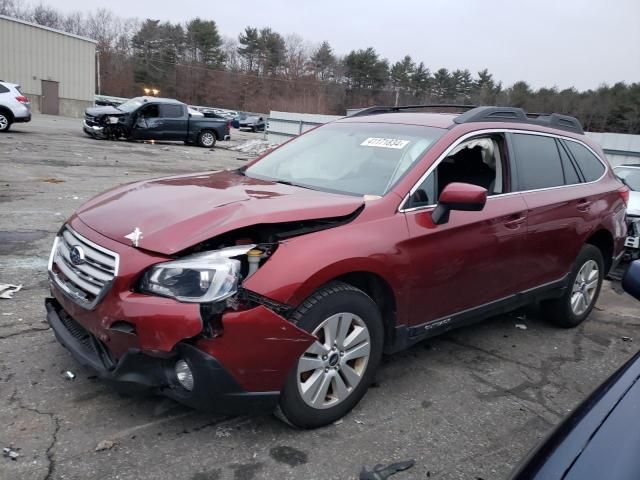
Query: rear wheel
[(206, 139), (581, 295), (335, 372), (5, 122)]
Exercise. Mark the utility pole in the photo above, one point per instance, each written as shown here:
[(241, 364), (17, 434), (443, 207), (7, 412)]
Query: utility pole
[(397, 95)]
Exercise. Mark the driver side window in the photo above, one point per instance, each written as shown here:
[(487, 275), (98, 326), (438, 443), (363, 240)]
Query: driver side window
[(478, 161), (151, 111)]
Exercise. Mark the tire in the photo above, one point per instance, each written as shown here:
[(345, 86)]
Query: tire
[(344, 370), (5, 122), (576, 303), (206, 139)]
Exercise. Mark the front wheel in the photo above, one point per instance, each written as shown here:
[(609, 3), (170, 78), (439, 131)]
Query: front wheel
[(335, 372), (585, 281), (206, 139)]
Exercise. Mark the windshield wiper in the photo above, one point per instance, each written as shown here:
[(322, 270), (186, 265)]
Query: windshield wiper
[(287, 182)]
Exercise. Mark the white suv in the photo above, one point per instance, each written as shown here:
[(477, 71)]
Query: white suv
[(14, 106)]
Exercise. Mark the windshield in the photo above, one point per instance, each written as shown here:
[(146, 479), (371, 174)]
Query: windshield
[(353, 158), (630, 176), (131, 105)]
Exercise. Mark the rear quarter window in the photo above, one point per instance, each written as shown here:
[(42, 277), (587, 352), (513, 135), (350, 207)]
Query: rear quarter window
[(591, 167), (3, 89), (538, 161), (570, 174)]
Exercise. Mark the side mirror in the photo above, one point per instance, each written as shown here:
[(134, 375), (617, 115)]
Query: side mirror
[(458, 196), (631, 280)]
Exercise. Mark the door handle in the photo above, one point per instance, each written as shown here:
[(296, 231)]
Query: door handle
[(514, 221), (584, 205)]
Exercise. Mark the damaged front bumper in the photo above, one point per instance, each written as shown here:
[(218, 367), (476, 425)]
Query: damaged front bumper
[(92, 130), (243, 369), (214, 388), (632, 242)]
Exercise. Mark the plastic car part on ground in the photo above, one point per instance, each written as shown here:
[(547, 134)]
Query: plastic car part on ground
[(7, 290), (381, 472)]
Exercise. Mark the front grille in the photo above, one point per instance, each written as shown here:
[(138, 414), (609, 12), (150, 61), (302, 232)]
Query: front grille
[(87, 279)]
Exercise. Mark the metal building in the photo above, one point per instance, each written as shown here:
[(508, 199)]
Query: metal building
[(56, 70)]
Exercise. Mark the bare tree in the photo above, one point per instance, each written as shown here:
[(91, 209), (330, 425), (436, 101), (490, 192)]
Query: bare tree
[(296, 56)]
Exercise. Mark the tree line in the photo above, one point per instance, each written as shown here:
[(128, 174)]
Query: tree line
[(263, 70)]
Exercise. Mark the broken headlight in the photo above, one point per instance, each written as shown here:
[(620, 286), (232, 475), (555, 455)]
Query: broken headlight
[(200, 278)]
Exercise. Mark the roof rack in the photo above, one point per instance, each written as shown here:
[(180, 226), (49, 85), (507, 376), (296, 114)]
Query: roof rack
[(382, 109), (473, 113), (514, 114)]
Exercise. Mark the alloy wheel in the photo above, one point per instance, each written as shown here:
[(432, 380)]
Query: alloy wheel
[(4, 122), (207, 139), (333, 366), (585, 287)]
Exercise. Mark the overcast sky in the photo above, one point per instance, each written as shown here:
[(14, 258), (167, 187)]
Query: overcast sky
[(562, 43)]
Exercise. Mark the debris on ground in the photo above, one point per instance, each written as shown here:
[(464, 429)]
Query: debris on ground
[(52, 180), (7, 290), (627, 339), (359, 422), (253, 147), (105, 445), (381, 472), (338, 422), (11, 453), (521, 326), (69, 375)]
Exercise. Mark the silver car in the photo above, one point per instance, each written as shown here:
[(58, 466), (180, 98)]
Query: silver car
[(630, 176), (14, 106)]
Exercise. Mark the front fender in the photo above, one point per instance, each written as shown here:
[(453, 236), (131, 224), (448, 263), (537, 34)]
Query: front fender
[(303, 264)]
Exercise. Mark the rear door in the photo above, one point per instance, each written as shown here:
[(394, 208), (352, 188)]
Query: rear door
[(558, 202), (174, 121), (475, 258)]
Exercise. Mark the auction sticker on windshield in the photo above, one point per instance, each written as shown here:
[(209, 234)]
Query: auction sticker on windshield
[(385, 143)]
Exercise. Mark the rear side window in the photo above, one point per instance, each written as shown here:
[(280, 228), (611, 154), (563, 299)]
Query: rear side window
[(570, 174), (3, 89), (171, 111), (538, 160), (591, 167)]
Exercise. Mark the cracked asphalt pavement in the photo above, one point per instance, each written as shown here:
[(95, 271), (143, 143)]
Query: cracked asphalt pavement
[(466, 405)]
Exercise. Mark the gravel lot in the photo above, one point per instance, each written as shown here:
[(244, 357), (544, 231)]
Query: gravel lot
[(467, 405)]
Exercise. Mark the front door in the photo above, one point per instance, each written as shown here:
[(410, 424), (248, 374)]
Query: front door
[(49, 101), (475, 258), (148, 125)]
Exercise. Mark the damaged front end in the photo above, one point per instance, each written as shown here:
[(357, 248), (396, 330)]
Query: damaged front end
[(183, 327), (105, 126), (632, 242)]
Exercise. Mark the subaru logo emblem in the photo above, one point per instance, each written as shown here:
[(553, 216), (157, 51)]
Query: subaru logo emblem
[(76, 255)]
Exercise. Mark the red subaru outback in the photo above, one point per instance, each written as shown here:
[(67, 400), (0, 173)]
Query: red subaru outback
[(279, 285)]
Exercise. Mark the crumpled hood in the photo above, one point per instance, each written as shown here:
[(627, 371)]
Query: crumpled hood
[(178, 212), (105, 110)]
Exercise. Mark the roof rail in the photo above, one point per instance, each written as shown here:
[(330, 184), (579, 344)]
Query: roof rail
[(383, 109), (514, 114)]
